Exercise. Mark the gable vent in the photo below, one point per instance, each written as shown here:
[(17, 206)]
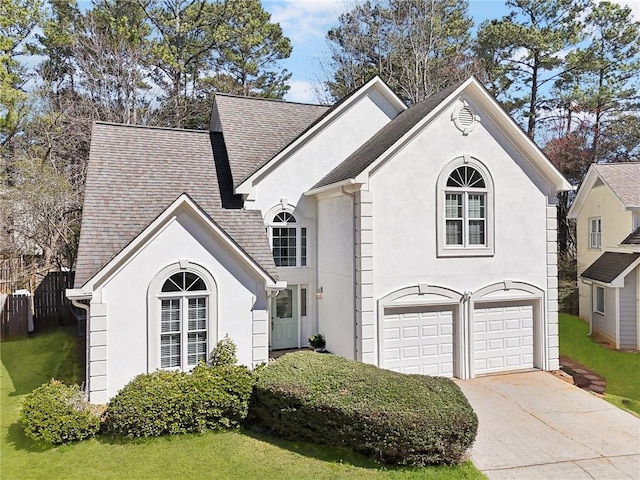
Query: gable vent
[(465, 117)]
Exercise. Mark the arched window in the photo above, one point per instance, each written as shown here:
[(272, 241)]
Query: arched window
[(288, 240), (184, 318), (465, 213)]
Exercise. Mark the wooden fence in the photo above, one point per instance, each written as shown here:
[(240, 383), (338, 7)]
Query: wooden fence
[(14, 316), (12, 272), (50, 306)]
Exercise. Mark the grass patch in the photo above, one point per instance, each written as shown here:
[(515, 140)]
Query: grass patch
[(28, 363), (621, 370)]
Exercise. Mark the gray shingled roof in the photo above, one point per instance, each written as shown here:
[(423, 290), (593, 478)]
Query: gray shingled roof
[(633, 238), (256, 129), (135, 173), (624, 181), (384, 139), (609, 266)]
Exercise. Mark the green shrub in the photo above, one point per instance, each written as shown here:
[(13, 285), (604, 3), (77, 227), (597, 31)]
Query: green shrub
[(224, 353), (57, 413), (209, 398), (395, 418), (317, 341)]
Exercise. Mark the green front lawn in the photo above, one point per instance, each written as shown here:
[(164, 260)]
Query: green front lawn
[(28, 363), (621, 370)]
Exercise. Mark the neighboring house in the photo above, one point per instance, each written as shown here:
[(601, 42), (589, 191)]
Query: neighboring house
[(422, 240), (607, 210)]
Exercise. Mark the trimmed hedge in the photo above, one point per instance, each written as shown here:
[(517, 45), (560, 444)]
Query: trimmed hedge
[(58, 413), (159, 403), (395, 418)]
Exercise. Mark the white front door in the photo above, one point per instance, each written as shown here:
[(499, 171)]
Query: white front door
[(284, 319)]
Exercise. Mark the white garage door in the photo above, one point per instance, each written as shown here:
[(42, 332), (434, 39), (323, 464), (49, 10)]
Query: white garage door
[(502, 337), (418, 340)]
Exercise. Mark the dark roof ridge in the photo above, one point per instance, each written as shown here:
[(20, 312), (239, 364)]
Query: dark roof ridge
[(275, 100), (150, 127)]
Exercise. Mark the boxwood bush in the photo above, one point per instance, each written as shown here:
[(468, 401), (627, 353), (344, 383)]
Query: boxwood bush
[(395, 418), (57, 413), (159, 403)]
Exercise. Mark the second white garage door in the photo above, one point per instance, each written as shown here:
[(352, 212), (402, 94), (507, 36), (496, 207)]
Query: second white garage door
[(502, 338), (418, 340)]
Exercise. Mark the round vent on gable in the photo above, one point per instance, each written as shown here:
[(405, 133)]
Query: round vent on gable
[(464, 118)]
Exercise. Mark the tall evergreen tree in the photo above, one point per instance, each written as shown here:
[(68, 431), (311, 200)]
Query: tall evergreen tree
[(522, 53), (417, 46)]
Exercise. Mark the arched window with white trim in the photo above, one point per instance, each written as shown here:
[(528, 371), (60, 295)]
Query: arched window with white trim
[(465, 210), (288, 240), (183, 321), (182, 313)]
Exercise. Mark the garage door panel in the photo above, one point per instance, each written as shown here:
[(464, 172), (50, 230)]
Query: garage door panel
[(503, 338), (418, 341)]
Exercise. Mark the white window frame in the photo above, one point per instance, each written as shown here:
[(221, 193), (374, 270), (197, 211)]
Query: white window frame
[(466, 248), (302, 236), (599, 306), (154, 312), (595, 234), (183, 298)]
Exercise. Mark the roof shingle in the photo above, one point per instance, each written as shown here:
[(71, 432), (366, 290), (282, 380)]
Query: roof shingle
[(256, 129), (609, 266), (624, 181), (135, 173), (384, 139)]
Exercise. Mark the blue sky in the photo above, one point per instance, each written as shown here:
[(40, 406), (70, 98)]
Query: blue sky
[(306, 23)]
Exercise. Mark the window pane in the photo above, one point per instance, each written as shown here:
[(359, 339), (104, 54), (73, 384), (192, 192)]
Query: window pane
[(173, 283), (454, 232), (303, 247), (466, 177), (476, 206), (193, 282), (197, 314), (170, 350), (303, 302), (453, 205), (284, 304), (284, 217), (476, 232), (170, 315), (196, 348), (284, 247)]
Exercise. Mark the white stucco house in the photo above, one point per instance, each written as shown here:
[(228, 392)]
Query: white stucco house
[(607, 214), (421, 239)]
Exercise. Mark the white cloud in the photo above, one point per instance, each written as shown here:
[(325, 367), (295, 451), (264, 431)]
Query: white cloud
[(302, 91), (305, 20)]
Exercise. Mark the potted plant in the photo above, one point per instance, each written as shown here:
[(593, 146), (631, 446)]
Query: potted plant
[(317, 342)]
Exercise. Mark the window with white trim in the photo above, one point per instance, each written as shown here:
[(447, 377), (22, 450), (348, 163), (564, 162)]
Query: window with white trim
[(184, 316), (595, 232), (598, 301), (465, 209), (288, 241)]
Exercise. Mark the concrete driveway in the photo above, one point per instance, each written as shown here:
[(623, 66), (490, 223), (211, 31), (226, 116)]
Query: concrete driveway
[(536, 426)]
